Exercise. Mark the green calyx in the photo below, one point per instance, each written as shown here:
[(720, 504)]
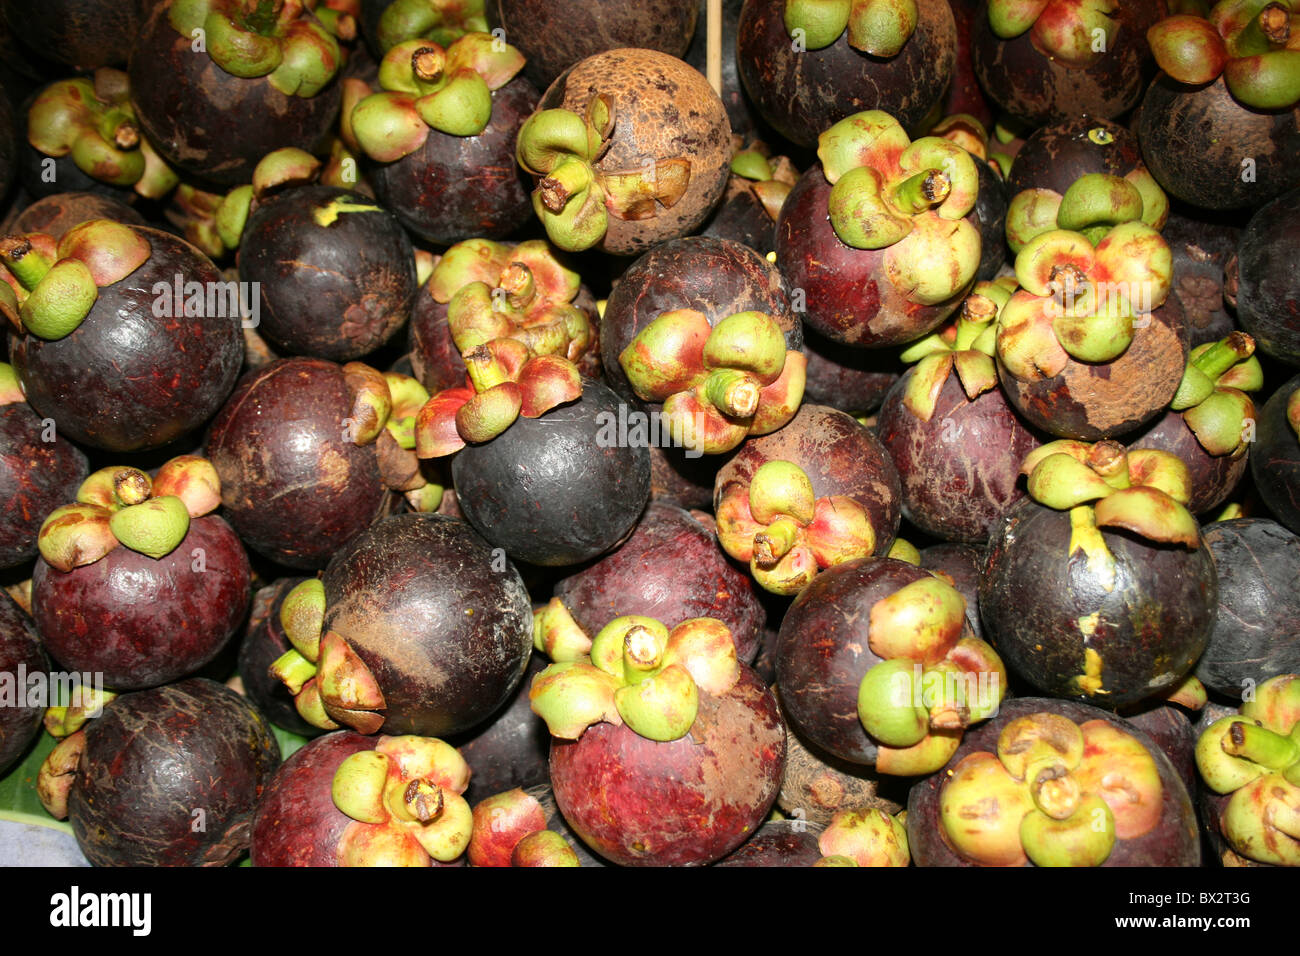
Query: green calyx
[(441, 21), (429, 87), (1077, 35), (1212, 396), (1093, 205), (966, 345), (639, 673), (879, 28), (278, 39)]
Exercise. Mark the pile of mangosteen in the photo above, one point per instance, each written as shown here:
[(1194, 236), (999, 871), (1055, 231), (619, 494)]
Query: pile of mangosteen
[(529, 433)]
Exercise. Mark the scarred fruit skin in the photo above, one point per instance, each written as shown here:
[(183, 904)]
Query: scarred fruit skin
[(778, 843), (446, 635), (686, 802), (1173, 841), (142, 622), (36, 476), (1268, 292), (155, 757), (19, 647)]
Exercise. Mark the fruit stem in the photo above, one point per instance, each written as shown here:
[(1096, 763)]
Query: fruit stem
[(428, 63), (1260, 746), (732, 392), (293, 670), (1275, 23), (1224, 354), (517, 282), (641, 653), (774, 542), (485, 371), (566, 180), (27, 265), (1109, 460), (423, 800), (923, 191), (1054, 790)]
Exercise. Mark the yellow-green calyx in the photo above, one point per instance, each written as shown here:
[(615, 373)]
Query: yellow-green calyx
[(49, 287), (932, 681), (428, 87), (1256, 757), (1144, 491), (965, 345), (1076, 34), (281, 40), (442, 21), (332, 686), (90, 120), (1093, 205), (121, 505), (867, 837), (876, 27), (1081, 301), (1253, 44), (1055, 793), (62, 720), (639, 673), (404, 798), (910, 199), (573, 198), (1212, 394), (720, 383), (786, 534)]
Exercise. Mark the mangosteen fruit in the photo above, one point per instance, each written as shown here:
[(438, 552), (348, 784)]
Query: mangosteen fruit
[(756, 190), (778, 843), (1275, 456), (1257, 562), (417, 627), (876, 665), (1264, 284), (817, 785), (1054, 783), (1172, 731), (855, 381), (522, 827), (629, 148), (667, 750), (386, 24), (264, 643), (164, 777), (82, 34), (21, 656), (955, 441), (440, 136), (57, 213), (138, 580), (805, 70), (1097, 586), (262, 81), (349, 800), (1202, 249), (556, 34), (818, 492), (509, 749), (131, 338), (879, 239)]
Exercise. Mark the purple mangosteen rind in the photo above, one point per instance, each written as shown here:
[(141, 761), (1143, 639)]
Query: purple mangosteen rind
[(1275, 456), (1173, 841), (20, 652), (37, 476)]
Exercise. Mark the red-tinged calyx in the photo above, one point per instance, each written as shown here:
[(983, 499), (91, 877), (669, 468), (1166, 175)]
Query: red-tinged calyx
[(557, 635), (879, 28), (544, 848), (1120, 770), (921, 621), (11, 386), (348, 690), (442, 21), (500, 823), (965, 345), (1276, 704), (372, 402), (193, 480), (281, 40), (869, 837), (58, 773), (1262, 820), (981, 807)]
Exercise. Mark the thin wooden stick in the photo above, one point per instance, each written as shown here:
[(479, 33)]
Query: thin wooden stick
[(714, 49)]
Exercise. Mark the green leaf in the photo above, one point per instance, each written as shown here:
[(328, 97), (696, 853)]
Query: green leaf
[(18, 800)]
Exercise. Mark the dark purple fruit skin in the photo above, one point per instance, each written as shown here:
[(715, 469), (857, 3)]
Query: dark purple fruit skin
[(44, 176), (1214, 477), (297, 823), (963, 563), (991, 216), (1223, 133), (840, 457), (742, 218), (293, 486), (1268, 287), (336, 292), (718, 277), (155, 757), (678, 480), (1174, 841), (142, 622), (822, 653), (555, 34), (1038, 90), (1254, 636), (670, 569), (444, 626), (57, 213), (1201, 252), (262, 646), (1174, 734), (853, 380), (546, 491), (128, 379), (1275, 459), (1150, 628), (745, 122), (1090, 401), (19, 647), (82, 34), (684, 802), (212, 124), (1055, 156), (510, 748), (779, 843), (960, 471), (847, 292), (801, 93), (459, 187), (36, 476)]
